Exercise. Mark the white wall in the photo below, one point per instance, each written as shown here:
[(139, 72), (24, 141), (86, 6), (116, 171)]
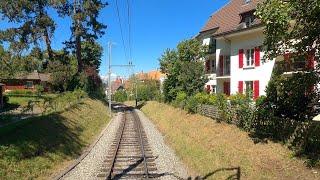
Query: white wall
[(261, 73)]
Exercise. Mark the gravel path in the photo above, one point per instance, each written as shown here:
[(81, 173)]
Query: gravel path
[(167, 162), (91, 165)]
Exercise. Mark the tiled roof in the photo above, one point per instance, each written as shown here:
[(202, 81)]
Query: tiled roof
[(152, 75), (228, 17), (35, 76)]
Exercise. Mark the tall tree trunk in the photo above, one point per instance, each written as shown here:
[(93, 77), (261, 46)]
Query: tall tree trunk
[(48, 43), (78, 53)]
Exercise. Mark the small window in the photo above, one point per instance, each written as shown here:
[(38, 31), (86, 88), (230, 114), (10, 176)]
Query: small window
[(212, 46), (249, 20), (213, 66), (213, 87), (247, 1), (249, 88), (29, 84), (249, 54)]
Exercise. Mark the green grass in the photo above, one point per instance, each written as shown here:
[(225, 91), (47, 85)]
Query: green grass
[(21, 101), (209, 148), (48, 143)]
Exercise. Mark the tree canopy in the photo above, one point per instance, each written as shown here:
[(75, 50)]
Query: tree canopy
[(291, 25), (184, 69)]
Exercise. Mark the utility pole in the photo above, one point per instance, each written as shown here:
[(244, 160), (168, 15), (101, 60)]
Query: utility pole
[(109, 77)]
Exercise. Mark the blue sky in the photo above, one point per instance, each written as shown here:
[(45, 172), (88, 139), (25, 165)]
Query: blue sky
[(155, 26)]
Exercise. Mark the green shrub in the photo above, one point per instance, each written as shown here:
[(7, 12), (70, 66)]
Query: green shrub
[(224, 108), (291, 96), (191, 104), (243, 111), (180, 100), (120, 96), (204, 98)]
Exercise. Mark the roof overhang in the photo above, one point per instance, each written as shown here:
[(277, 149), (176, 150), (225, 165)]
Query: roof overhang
[(207, 33), (240, 32)]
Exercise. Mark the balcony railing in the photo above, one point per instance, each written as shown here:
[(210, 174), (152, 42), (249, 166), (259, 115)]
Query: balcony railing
[(284, 66)]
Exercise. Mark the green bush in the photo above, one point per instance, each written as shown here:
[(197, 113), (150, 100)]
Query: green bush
[(191, 104), (180, 100), (224, 108), (291, 97), (120, 96), (243, 111), (205, 98)]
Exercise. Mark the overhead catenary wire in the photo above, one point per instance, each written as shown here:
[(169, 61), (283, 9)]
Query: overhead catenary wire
[(121, 30)]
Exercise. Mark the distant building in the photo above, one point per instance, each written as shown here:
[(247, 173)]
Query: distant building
[(117, 84), (27, 81)]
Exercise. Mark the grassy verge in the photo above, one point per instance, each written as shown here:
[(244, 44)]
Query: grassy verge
[(49, 143), (212, 149)]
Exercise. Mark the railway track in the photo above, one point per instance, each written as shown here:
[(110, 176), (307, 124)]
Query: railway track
[(130, 156)]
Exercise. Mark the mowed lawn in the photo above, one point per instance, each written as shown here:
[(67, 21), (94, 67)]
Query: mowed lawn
[(212, 149), (46, 145)]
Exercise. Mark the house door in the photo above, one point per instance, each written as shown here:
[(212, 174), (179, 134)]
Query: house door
[(226, 88)]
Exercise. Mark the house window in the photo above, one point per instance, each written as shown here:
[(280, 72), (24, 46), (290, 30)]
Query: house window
[(213, 66), (227, 65), (248, 20), (249, 88), (212, 46), (213, 87), (29, 84), (249, 54)]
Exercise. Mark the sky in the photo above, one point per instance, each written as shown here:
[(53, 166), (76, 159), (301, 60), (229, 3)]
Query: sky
[(155, 26)]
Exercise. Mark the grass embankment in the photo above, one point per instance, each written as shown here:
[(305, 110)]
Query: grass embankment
[(49, 143), (207, 147)]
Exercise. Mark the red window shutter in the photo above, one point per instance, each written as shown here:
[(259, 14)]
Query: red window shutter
[(255, 89), (311, 59), (257, 56), (208, 88), (240, 87), (207, 65), (287, 58), (240, 58), (221, 65)]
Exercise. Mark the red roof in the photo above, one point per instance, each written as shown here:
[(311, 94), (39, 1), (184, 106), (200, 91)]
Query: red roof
[(228, 17)]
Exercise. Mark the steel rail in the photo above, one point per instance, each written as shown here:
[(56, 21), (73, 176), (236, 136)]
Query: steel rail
[(138, 124), (109, 176)]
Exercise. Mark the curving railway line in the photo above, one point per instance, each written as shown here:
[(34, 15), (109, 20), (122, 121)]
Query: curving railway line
[(130, 156)]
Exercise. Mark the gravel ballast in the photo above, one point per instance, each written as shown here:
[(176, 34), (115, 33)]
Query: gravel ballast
[(92, 164), (168, 164)]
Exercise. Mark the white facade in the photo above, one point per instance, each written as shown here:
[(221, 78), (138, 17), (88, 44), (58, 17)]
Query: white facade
[(227, 58)]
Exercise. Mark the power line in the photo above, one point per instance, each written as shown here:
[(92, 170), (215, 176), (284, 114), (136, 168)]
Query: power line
[(129, 33), (119, 20)]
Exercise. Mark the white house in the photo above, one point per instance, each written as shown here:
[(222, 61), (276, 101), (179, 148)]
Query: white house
[(235, 58)]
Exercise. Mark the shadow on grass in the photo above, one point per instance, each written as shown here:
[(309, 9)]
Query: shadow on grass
[(9, 107), (44, 134), (235, 173)]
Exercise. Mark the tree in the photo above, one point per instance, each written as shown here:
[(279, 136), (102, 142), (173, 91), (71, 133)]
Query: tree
[(35, 24), (291, 25), (295, 26), (91, 54), (85, 24), (185, 72)]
